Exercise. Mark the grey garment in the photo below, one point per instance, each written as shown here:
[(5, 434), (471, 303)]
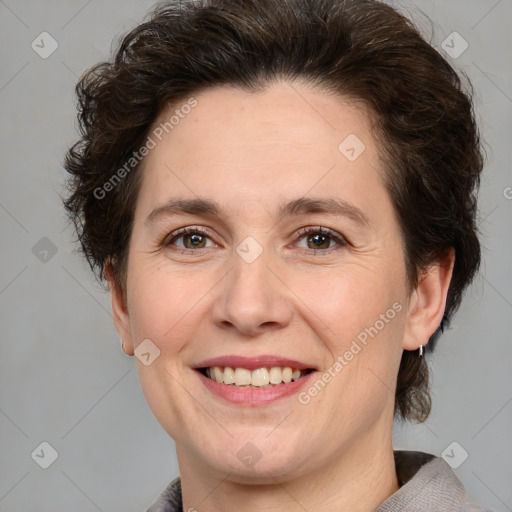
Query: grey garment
[(169, 500), (426, 483)]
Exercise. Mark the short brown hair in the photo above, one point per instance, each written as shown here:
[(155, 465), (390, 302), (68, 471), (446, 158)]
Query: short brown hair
[(362, 49)]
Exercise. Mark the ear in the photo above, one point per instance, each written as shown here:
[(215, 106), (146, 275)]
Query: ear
[(119, 310), (427, 302)]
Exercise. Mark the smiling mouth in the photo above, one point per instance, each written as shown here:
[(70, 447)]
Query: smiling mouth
[(257, 378)]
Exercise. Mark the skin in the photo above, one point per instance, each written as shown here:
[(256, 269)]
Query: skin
[(252, 152)]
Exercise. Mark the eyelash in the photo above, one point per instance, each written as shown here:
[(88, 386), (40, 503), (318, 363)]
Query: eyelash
[(311, 230)]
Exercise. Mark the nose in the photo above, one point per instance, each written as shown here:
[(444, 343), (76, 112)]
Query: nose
[(253, 299)]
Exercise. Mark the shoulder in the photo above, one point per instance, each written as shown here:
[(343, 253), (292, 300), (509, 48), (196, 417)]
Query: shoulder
[(427, 482), (169, 500), (471, 507)]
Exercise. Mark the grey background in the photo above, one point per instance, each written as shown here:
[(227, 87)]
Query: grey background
[(63, 376)]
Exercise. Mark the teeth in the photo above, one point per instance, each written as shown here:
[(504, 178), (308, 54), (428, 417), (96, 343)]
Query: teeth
[(217, 374), (242, 377), (276, 375), (261, 377), (229, 375), (296, 375)]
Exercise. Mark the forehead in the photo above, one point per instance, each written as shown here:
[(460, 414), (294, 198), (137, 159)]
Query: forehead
[(249, 148)]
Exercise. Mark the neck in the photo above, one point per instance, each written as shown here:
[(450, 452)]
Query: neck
[(358, 480)]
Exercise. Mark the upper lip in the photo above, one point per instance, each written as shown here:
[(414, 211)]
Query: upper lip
[(253, 363)]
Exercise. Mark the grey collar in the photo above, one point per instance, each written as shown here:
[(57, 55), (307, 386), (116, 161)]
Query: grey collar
[(426, 483)]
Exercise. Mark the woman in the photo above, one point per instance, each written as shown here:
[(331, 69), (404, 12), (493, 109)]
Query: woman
[(281, 197)]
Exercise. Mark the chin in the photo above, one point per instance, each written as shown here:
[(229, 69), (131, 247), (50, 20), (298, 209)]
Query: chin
[(249, 463), (261, 473)]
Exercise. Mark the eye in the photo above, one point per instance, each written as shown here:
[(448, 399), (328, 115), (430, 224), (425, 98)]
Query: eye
[(191, 238), (320, 239), (317, 239)]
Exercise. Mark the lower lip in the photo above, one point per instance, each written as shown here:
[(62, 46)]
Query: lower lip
[(254, 396)]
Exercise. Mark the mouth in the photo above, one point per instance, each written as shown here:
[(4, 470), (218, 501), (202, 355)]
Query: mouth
[(253, 381), (257, 378)]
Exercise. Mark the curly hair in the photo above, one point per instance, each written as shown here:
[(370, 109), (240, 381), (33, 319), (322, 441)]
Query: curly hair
[(364, 50)]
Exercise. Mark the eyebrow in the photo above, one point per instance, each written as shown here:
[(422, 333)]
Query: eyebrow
[(301, 206)]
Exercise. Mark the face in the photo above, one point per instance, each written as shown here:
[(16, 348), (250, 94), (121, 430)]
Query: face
[(299, 265)]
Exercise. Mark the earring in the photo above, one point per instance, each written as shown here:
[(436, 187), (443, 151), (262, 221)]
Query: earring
[(421, 350)]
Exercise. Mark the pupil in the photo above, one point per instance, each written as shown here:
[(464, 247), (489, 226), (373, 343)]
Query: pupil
[(195, 239), (319, 240)]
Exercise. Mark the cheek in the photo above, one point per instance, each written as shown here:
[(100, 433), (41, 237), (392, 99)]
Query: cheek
[(346, 300), (358, 315), (160, 303)]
